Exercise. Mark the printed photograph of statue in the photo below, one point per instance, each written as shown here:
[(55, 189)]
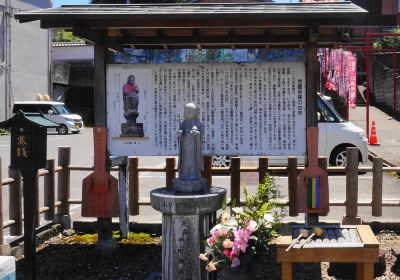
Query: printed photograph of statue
[(190, 166), (130, 97)]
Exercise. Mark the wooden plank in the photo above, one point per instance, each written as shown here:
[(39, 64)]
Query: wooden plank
[(356, 253), (287, 271), (367, 236)]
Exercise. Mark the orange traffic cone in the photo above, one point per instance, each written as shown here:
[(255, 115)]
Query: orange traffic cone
[(373, 139)]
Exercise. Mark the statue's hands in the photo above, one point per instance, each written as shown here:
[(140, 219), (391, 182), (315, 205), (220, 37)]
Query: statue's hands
[(195, 131)]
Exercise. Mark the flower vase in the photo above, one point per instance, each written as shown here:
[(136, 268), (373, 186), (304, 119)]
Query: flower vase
[(237, 273)]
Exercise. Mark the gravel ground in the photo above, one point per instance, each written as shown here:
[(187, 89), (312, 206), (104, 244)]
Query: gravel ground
[(57, 261)]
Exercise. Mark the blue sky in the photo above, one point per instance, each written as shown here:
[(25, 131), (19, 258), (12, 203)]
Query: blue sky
[(57, 3)]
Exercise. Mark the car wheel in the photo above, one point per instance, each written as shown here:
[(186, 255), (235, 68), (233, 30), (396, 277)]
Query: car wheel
[(338, 157), (62, 130), (221, 161), (75, 132)]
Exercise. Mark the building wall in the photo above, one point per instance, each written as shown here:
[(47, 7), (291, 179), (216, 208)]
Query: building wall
[(27, 59)]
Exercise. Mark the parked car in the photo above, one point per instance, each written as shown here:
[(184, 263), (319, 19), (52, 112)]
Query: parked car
[(54, 111), (335, 136)]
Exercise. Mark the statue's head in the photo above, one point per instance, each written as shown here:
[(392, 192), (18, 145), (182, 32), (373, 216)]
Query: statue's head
[(191, 112), (131, 79)]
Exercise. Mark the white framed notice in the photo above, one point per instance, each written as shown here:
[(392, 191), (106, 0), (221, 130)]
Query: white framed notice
[(247, 109)]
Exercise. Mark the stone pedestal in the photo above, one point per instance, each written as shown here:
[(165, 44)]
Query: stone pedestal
[(130, 129), (185, 225)]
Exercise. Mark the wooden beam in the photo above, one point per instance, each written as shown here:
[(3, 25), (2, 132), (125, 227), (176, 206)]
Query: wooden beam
[(229, 40), (179, 40), (107, 22), (88, 34), (100, 85)]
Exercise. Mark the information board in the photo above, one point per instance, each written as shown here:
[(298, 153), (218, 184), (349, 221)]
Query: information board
[(246, 109)]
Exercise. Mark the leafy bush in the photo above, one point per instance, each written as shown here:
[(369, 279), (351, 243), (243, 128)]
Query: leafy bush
[(66, 36), (389, 42)]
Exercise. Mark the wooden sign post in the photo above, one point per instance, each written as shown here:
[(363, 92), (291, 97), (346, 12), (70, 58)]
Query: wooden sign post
[(29, 154)]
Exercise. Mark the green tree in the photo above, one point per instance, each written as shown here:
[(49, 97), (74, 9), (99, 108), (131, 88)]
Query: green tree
[(389, 42), (66, 36)]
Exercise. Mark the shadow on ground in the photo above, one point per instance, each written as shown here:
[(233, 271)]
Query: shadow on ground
[(75, 261)]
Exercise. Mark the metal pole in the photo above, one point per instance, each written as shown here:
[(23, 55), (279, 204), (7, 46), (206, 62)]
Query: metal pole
[(367, 53), (29, 188)]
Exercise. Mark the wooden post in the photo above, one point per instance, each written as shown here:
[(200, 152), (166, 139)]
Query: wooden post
[(235, 181), (311, 78), (64, 180), (311, 92), (133, 173), (293, 186), (49, 190), (123, 207), (207, 173), (1, 207), (377, 178), (262, 169), (15, 202), (170, 171), (37, 203), (351, 217)]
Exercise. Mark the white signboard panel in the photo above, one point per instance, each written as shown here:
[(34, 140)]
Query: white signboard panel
[(247, 109)]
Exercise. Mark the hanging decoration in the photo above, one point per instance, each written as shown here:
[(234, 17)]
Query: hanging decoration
[(339, 73)]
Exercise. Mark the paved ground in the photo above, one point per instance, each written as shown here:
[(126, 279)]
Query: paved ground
[(82, 154), (387, 129)]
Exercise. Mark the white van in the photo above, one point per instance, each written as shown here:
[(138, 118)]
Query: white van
[(54, 111), (335, 136)]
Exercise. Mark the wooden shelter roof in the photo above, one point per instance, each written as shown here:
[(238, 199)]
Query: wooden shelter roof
[(203, 25)]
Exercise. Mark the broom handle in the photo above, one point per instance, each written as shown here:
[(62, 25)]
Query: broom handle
[(100, 142)]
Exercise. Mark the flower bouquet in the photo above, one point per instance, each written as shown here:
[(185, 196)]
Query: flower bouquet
[(236, 240)]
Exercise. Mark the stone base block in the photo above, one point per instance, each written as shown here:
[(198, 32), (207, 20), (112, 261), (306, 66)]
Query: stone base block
[(132, 130), (347, 220), (190, 186), (7, 268), (64, 220), (106, 247)]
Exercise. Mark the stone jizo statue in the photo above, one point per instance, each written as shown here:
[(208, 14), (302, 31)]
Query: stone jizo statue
[(130, 94), (190, 135)]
